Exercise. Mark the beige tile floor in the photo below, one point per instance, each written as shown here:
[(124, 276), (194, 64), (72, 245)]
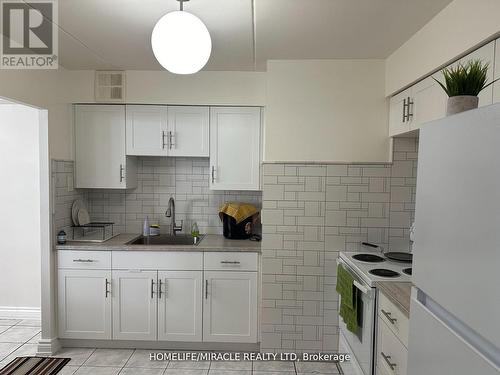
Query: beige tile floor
[(19, 338)]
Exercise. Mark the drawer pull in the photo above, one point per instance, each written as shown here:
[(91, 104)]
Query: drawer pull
[(83, 260), (388, 316), (387, 360), (229, 262)]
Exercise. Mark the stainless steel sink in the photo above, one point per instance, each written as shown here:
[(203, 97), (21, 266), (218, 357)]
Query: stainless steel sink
[(167, 240)]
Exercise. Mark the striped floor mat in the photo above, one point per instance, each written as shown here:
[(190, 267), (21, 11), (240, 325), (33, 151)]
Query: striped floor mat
[(34, 366)]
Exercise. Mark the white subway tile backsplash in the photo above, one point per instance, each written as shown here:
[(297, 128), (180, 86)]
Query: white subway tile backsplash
[(185, 179), (353, 203)]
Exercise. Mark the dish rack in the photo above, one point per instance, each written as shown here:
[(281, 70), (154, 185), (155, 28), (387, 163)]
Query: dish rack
[(93, 232)]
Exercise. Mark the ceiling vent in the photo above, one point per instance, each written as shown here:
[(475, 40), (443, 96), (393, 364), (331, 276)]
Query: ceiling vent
[(109, 86)]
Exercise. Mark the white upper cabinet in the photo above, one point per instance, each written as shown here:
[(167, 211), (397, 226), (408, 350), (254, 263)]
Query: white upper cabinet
[(146, 130), (399, 121), (235, 148), (188, 131), (100, 158), (426, 100), (496, 74), (429, 102), (156, 130)]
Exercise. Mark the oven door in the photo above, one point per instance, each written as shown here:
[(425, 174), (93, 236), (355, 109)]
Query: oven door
[(361, 344)]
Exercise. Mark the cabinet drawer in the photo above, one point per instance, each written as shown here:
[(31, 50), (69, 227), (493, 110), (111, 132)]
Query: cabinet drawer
[(219, 261), (394, 318), (159, 260), (84, 259), (391, 353)]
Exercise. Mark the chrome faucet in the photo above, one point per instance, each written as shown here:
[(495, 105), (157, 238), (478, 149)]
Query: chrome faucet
[(171, 213)]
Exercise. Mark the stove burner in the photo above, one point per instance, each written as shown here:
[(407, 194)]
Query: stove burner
[(369, 258), (408, 271), (384, 273)]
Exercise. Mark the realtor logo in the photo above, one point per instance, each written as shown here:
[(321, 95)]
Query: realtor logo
[(29, 34)]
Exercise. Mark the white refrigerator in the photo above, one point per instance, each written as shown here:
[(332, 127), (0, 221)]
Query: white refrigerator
[(455, 306)]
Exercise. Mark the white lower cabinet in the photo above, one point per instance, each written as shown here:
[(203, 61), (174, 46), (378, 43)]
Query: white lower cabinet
[(180, 305), (230, 308), (204, 297), (134, 305), (84, 305)]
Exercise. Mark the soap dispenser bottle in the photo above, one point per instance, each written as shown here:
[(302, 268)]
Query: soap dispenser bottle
[(145, 227)]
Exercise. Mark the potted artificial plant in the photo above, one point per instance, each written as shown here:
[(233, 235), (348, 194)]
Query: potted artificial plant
[(463, 83)]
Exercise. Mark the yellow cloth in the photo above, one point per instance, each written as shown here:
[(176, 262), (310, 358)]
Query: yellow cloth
[(239, 211)]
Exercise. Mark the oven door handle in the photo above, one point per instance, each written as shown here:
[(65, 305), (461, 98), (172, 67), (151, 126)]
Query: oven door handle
[(363, 289)]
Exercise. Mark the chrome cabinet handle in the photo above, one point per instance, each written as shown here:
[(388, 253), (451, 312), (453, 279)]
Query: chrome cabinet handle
[(107, 291), (408, 113), (387, 360), (84, 260), (152, 288), (121, 173), (389, 316), (170, 143), (229, 262), (206, 289), (159, 288), (213, 174), (404, 110), (163, 139)]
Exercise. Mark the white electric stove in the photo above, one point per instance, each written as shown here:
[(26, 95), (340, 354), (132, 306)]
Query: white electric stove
[(374, 266), (367, 268)]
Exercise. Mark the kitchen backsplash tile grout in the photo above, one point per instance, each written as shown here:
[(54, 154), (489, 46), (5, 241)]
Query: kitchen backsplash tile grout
[(185, 179), (310, 213)]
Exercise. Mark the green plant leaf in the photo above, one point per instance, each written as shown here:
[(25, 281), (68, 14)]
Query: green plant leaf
[(465, 78)]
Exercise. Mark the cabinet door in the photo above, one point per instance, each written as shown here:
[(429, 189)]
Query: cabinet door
[(397, 123), (100, 148), (230, 307), (146, 130), (235, 148), (134, 305), (496, 75), (188, 131), (84, 304), (429, 102), (180, 305)]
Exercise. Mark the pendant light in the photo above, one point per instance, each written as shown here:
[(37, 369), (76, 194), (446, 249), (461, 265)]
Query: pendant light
[(181, 42)]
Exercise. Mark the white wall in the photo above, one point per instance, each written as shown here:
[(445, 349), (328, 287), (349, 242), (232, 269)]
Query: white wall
[(326, 110), (457, 29), (20, 201)]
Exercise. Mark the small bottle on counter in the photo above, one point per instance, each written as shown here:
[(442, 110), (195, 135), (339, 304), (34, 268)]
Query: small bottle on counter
[(145, 227), (195, 232), (61, 237)]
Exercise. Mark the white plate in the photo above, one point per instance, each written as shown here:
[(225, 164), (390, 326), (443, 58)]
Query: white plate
[(74, 211), (83, 216)]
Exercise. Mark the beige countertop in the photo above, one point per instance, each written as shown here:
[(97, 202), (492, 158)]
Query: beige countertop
[(398, 292), (211, 242)]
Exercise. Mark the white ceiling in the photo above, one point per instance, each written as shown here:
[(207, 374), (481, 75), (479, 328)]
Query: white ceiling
[(115, 34)]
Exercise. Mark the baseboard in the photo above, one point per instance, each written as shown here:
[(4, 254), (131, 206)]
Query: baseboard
[(48, 347), (9, 312)]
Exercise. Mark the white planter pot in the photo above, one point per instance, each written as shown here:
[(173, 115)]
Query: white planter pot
[(457, 104)]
